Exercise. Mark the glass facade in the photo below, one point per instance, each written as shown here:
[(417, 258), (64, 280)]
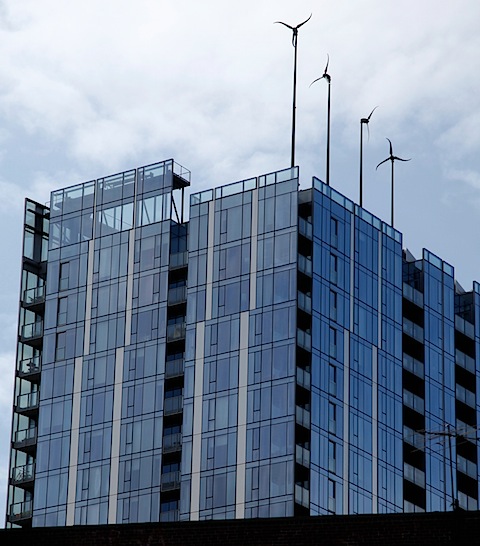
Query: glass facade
[(277, 354)]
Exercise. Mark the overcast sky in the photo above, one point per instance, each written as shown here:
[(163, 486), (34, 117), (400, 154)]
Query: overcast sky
[(95, 87)]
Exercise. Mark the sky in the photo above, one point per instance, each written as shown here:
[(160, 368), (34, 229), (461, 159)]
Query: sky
[(95, 87)]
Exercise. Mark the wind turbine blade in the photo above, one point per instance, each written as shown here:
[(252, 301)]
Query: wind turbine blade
[(368, 119), (326, 67), (306, 21), (381, 162), (391, 147), (400, 159), (320, 78), (284, 24)]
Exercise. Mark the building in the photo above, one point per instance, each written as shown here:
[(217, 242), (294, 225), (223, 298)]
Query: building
[(279, 354)]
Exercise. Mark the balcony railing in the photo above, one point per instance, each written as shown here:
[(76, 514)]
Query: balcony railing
[(179, 259), (170, 515), (174, 368), (24, 438), (173, 405), (302, 416), (30, 366), (33, 330), (170, 481), (465, 361), (464, 326), (177, 295), (413, 330), (302, 494), (304, 302), (34, 296), (20, 511), (172, 442), (305, 265), (176, 332), (302, 456), (305, 228), (303, 378), (22, 475), (304, 339), (412, 294), (413, 365), (27, 402)]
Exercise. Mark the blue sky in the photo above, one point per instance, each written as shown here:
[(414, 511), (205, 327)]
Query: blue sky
[(95, 87)]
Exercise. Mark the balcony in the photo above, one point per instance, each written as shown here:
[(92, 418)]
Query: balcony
[(304, 339), (27, 404), (413, 330), (302, 416), (465, 327), (305, 228), (25, 440), (170, 481), (173, 405), (178, 260), (177, 295), (465, 361), (176, 332), (34, 298), (169, 515), (20, 512), (302, 456), (174, 368), (413, 365), (305, 265), (412, 294), (23, 476), (303, 378), (29, 368), (304, 302), (32, 333), (172, 442), (302, 494)]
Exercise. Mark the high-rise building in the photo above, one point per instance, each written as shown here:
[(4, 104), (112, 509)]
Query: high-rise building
[(276, 354)]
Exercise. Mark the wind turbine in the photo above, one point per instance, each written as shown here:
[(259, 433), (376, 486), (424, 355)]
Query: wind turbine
[(329, 80), (363, 121), (294, 43), (392, 158)]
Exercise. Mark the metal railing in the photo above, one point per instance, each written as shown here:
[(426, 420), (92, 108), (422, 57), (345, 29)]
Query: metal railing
[(303, 378), (302, 495), (464, 326), (413, 330), (465, 361), (413, 365), (304, 302), (305, 265), (302, 416), (302, 456)]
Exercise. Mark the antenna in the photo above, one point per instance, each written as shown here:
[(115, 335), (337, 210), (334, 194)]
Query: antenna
[(392, 158), (329, 80), (294, 108), (363, 121)]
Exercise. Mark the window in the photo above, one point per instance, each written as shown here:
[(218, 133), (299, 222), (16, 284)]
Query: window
[(332, 418), (334, 232), (333, 269), (61, 346), (64, 276), (333, 305), (333, 343), (62, 311)]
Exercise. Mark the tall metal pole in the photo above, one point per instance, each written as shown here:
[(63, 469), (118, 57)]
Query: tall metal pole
[(363, 121), (294, 110), (393, 190), (328, 133), (361, 163), (294, 106)]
